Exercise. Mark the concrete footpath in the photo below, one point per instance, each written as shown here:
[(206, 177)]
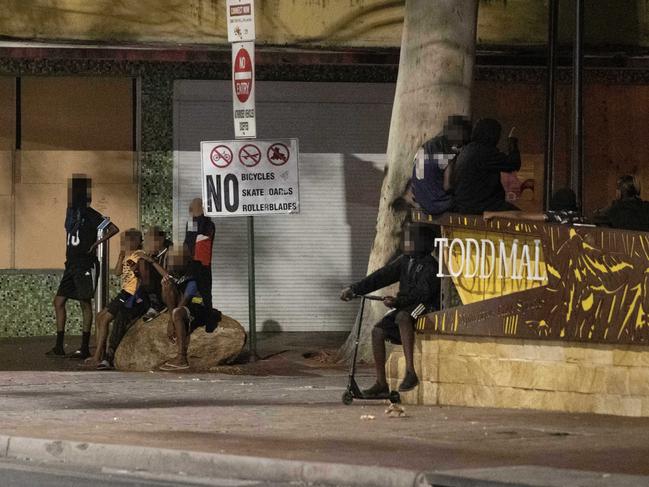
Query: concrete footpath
[(282, 419)]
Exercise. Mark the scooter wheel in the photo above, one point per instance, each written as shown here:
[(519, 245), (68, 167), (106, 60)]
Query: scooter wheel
[(395, 397), (347, 398)]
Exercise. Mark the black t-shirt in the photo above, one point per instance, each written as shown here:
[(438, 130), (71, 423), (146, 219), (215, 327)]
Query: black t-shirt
[(81, 232)]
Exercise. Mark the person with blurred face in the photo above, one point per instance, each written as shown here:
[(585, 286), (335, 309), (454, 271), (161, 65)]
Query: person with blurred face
[(81, 265), (199, 240), (156, 246), (415, 271), (476, 179), (129, 267), (430, 181), (188, 308)]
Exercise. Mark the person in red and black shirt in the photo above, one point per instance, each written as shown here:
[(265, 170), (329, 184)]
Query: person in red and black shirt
[(81, 266), (199, 239)]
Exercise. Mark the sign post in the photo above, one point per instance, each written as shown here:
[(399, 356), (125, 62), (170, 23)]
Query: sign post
[(241, 34), (246, 178), (243, 90)]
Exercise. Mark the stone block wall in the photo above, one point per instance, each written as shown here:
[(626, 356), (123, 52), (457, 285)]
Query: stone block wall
[(506, 373)]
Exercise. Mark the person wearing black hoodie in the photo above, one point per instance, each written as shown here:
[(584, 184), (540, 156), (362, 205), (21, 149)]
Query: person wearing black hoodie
[(415, 270), (476, 176)]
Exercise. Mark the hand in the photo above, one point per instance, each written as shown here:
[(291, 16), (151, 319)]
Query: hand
[(390, 301), (171, 332), (347, 294)]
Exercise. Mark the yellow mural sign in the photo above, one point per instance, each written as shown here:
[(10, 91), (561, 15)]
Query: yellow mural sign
[(491, 264)]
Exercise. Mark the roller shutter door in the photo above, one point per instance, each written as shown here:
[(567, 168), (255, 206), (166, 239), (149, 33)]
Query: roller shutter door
[(302, 261)]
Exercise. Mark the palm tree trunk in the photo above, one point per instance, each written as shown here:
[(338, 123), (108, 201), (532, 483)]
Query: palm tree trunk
[(434, 81)]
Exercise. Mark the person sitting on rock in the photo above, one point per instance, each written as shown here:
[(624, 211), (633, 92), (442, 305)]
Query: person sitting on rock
[(157, 246), (188, 310), (149, 291), (416, 272), (130, 267)]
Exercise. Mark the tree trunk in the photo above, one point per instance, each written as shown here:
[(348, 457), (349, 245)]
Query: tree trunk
[(434, 81)]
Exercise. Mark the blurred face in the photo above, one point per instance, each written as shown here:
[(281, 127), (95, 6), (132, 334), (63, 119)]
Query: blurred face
[(177, 260), (79, 188), (196, 207), (455, 135), (131, 241), (408, 243), (153, 242), (456, 130)]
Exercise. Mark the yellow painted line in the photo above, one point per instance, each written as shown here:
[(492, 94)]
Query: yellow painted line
[(628, 315), (610, 313)]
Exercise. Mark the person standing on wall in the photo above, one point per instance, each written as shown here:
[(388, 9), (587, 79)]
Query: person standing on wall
[(81, 265), (199, 239)]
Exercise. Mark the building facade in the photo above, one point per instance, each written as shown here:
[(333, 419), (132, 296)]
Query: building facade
[(124, 91)]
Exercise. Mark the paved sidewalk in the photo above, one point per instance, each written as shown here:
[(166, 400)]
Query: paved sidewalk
[(288, 408), (300, 417)]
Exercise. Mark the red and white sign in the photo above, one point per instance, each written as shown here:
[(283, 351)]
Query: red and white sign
[(221, 156), (249, 155), (242, 75), (260, 182), (278, 154), (241, 20), (243, 89)]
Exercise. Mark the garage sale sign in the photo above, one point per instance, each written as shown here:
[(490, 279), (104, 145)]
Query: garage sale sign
[(250, 177)]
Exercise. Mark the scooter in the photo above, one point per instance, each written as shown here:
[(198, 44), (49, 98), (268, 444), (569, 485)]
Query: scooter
[(353, 391)]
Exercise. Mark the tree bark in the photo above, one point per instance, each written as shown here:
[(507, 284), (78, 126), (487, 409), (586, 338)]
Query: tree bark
[(434, 81)]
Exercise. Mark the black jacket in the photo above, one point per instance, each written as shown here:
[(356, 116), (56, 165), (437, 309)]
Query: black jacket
[(625, 213), (418, 283), (476, 175)]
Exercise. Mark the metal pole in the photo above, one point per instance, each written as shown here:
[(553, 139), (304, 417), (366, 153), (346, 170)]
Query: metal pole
[(576, 167), (101, 298), (251, 290), (550, 94)]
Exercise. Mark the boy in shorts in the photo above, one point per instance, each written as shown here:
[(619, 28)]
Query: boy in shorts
[(416, 272), (129, 268), (81, 266), (188, 310)]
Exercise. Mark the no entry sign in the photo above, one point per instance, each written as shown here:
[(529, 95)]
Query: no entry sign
[(242, 177), (243, 89)]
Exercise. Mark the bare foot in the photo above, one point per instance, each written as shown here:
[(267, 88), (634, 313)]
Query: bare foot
[(90, 362)]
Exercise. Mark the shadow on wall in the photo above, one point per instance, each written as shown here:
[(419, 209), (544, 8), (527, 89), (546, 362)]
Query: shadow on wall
[(363, 180), (271, 326)]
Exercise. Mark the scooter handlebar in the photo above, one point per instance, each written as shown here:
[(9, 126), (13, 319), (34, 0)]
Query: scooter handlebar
[(371, 297)]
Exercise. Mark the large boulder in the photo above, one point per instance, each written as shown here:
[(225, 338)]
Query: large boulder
[(146, 346)]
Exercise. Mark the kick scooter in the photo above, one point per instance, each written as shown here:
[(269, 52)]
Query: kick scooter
[(353, 391)]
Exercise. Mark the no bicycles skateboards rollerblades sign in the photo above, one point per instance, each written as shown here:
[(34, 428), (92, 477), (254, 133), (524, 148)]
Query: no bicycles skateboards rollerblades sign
[(250, 177)]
